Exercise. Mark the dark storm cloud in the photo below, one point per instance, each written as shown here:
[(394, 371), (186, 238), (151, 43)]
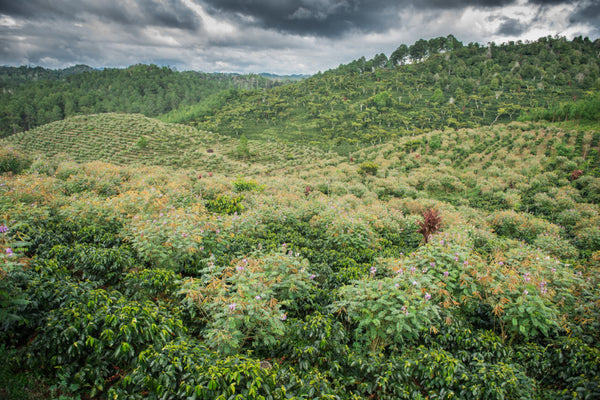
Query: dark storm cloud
[(314, 17), (332, 17), (588, 12), (170, 13), (511, 27), (455, 4), (552, 2), (283, 36)]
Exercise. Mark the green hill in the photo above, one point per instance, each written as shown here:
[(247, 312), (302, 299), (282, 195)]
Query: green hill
[(36, 96), (124, 139), (435, 84), (450, 253)]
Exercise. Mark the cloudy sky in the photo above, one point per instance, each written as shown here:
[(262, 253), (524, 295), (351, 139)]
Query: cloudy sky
[(278, 36)]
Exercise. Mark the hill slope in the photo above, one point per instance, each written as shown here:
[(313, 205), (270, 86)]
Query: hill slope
[(124, 139), (37, 96), (368, 101), (314, 274)]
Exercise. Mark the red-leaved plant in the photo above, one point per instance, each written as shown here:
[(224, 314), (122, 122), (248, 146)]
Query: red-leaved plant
[(431, 223)]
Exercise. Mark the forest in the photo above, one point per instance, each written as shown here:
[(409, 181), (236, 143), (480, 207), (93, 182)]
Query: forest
[(37, 96), (419, 226)]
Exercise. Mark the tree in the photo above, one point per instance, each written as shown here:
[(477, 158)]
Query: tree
[(242, 150), (418, 50), (399, 55)]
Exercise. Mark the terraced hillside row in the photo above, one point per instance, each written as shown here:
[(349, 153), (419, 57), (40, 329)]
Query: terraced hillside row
[(124, 139)]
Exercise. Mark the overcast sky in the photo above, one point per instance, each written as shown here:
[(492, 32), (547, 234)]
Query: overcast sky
[(278, 36)]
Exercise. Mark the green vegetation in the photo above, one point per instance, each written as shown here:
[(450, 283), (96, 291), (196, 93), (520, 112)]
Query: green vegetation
[(125, 139), (35, 96), (145, 259), (435, 84)]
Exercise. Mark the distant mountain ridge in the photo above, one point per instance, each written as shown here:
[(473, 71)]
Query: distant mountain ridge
[(17, 75)]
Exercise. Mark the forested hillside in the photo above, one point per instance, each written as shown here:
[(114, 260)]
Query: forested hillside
[(33, 96), (449, 248), (11, 77), (433, 84)]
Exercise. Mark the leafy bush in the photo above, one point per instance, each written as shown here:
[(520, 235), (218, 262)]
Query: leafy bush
[(224, 204), (91, 339), (103, 265), (12, 264), (248, 303), (318, 341), (390, 310), (13, 161), (246, 185), (44, 167), (520, 225), (556, 246), (368, 168), (150, 284), (186, 368)]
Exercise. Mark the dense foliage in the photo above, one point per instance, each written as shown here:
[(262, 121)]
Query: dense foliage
[(35, 96), (456, 263), (148, 282), (435, 84)]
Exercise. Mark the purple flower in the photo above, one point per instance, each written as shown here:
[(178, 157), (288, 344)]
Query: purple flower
[(446, 273), (397, 285), (257, 297), (466, 263), (373, 270), (240, 268), (553, 270), (500, 262), (283, 317), (400, 271), (232, 306), (432, 264), (313, 276), (525, 292), (3, 229), (427, 296), (405, 310), (414, 283), (413, 270), (9, 251), (456, 258)]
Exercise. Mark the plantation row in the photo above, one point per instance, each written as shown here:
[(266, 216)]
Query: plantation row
[(310, 280), (125, 139)]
